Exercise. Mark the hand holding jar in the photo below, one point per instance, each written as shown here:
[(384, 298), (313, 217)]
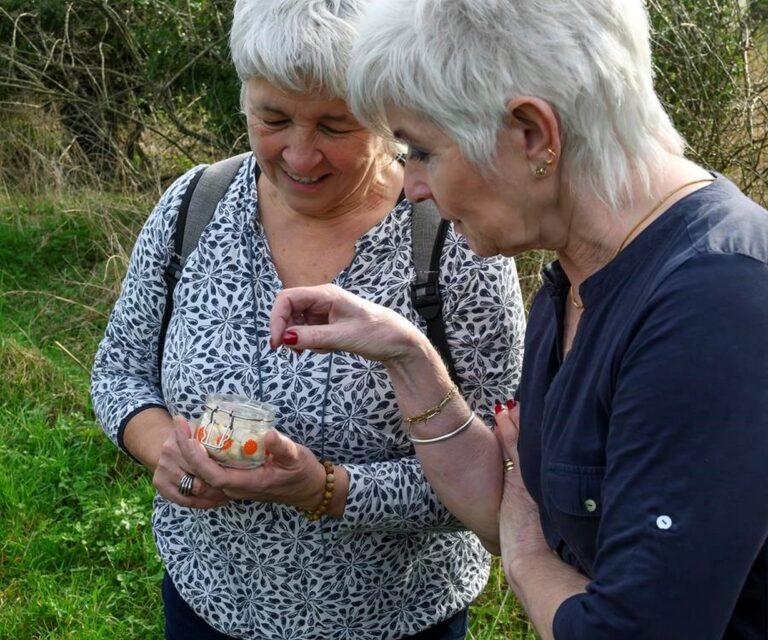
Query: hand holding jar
[(232, 429), (272, 469)]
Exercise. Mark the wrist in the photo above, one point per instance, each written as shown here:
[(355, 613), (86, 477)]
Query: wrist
[(520, 564), (146, 433), (320, 507), (412, 348)]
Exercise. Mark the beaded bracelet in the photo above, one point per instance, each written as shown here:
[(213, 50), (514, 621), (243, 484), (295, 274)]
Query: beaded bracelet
[(431, 413), (330, 483), (444, 436)]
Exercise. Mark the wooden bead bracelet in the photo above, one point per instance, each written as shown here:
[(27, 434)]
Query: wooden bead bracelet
[(330, 483)]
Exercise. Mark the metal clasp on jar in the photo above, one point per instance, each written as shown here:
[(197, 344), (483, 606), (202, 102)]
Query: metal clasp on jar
[(214, 438)]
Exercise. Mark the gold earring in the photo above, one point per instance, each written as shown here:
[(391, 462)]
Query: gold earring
[(542, 170)]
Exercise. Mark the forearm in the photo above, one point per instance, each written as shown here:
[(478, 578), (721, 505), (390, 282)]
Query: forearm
[(465, 470), (145, 434), (403, 501), (542, 582)]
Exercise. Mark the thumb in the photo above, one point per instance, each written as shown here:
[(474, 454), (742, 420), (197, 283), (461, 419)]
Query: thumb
[(283, 450), (182, 423), (508, 427)]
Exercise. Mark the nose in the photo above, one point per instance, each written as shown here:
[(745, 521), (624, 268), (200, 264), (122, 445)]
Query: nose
[(301, 153), (415, 185)]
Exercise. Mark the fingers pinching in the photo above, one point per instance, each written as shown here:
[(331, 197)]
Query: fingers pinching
[(292, 304)]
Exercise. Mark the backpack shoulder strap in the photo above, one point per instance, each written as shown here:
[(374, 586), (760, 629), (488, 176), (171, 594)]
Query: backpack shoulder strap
[(428, 232), (208, 192), (206, 188)]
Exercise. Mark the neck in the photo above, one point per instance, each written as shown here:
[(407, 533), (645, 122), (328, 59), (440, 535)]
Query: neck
[(597, 232)]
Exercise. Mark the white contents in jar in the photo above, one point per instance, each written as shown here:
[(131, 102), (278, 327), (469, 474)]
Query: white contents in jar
[(233, 428)]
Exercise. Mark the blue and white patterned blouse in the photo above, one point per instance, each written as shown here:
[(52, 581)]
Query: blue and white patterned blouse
[(397, 561)]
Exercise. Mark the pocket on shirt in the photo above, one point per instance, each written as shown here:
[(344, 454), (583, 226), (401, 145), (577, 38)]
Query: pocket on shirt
[(575, 490), (573, 495)]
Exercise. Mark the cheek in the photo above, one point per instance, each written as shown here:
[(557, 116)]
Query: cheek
[(265, 144), (352, 152)]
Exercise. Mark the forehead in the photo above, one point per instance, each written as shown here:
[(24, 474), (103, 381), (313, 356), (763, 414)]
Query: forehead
[(263, 96)]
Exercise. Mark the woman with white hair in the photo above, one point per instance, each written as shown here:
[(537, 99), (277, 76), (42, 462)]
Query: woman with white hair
[(634, 501), (338, 534)]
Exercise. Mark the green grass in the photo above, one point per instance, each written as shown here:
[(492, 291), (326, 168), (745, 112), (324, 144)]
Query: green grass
[(77, 558)]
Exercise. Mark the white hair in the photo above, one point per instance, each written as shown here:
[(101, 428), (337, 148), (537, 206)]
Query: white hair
[(297, 45), (459, 62)]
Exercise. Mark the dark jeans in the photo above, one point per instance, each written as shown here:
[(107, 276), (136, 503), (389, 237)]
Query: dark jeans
[(181, 623)]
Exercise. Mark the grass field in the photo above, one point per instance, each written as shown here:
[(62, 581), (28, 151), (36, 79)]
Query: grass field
[(77, 559)]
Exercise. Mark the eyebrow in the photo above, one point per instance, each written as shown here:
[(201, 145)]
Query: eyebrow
[(403, 136)]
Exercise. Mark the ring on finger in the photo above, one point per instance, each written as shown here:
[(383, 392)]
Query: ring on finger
[(186, 483), (509, 465)]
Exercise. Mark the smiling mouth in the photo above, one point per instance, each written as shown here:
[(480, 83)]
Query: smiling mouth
[(303, 179)]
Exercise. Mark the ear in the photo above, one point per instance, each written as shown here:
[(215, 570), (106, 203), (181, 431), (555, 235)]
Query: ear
[(538, 130)]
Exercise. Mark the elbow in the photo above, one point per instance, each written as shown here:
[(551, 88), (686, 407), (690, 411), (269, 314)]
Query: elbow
[(492, 546)]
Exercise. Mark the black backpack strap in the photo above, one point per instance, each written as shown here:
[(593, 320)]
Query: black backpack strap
[(428, 232), (206, 188)]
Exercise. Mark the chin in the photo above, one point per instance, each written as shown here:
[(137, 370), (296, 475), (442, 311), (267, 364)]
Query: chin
[(482, 250)]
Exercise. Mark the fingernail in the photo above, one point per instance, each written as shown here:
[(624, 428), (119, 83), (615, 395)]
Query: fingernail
[(511, 404), (497, 407), (290, 337), (271, 342)]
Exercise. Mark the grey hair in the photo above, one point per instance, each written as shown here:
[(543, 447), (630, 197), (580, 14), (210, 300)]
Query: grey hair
[(297, 45), (459, 62)]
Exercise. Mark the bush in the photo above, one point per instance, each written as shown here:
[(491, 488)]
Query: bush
[(123, 76), (140, 89), (713, 78)]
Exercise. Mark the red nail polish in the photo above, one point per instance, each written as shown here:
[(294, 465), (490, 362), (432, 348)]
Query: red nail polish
[(290, 337), (511, 404), (497, 407)]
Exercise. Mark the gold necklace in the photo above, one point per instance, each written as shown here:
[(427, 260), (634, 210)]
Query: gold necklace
[(572, 296)]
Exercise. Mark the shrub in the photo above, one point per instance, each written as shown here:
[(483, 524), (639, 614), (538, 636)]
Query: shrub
[(141, 89)]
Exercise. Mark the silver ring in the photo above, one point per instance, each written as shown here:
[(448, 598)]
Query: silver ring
[(509, 465), (185, 484)]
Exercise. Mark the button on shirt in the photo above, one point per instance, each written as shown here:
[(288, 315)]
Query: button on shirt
[(646, 448)]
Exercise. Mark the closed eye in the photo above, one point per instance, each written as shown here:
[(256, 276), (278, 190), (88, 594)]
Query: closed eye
[(332, 131)]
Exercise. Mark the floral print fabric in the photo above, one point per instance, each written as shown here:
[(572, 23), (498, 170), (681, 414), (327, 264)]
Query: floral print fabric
[(397, 561)]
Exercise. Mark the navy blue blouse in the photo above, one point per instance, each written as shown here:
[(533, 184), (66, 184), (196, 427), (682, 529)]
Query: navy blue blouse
[(646, 448)]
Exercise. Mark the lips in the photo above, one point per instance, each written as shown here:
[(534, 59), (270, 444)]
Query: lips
[(303, 179)]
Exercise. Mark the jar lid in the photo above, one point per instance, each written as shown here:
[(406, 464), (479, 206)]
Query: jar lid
[(239, 406)]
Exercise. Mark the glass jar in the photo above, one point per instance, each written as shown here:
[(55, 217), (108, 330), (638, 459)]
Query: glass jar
[(232, 429)]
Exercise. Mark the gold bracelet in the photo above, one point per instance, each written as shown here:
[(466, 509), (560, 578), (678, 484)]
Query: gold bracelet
[(431, 413), (330, 483)]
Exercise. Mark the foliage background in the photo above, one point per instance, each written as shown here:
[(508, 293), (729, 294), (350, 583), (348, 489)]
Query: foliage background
[(102, 103)]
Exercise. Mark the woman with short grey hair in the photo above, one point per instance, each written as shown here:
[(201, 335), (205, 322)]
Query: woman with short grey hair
[(338, 534), (630, 473)]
